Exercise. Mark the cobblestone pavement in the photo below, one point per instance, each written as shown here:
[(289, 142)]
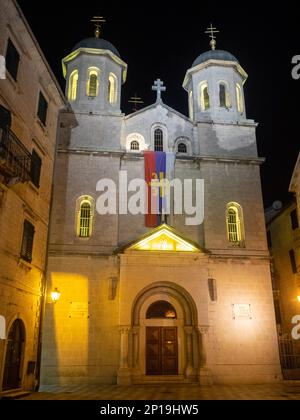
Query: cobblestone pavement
[(170, 392)]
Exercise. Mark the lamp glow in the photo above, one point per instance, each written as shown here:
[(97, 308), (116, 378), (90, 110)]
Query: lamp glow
[(298, 297), (55, 295)]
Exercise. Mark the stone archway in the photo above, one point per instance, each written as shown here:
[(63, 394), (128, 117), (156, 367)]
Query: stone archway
[(186, 325)]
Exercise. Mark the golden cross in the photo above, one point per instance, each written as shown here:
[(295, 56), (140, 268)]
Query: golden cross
[(212, 31), (97, 20), (135, 100)]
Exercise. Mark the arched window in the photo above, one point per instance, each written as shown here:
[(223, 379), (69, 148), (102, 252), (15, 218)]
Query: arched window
[(235, 224), (204, 96), (134, 145), (239, 98), (191, 105), (73, 84), (182, 148), (85, 217), (224, 95), (93, 83), (112, 89), (161, 309), (158, 140)]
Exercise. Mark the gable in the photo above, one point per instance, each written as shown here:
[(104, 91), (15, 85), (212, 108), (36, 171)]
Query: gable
[(163, 239)]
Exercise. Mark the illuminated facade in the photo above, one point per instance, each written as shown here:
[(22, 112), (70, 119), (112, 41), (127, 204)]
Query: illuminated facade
[(30, 100), (210, 284)]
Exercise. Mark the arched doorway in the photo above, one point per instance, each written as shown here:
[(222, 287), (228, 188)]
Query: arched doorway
[(165, 333), (14, 356)]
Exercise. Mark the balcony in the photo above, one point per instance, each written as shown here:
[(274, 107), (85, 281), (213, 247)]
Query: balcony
[(15, 160)]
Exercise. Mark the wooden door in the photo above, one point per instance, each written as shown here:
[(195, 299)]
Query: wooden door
[(161, 351), (14, 354)]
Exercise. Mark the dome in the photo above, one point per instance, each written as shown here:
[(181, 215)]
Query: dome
[(214, 55), (96, 43)]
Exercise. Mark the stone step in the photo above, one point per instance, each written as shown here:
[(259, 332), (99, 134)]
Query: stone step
[(14, 395)]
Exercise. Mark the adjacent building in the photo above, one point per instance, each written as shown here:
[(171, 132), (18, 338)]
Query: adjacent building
[(30, 102)]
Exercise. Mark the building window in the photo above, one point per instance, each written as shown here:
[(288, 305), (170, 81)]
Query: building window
[(235, 225), (27, 241), (73, 84), (35, 172), (277, 312), (224, 95), (269, 239), (42, 109), (134, 145), (12, 60), (182, 148), (93, 83), (160, 310), (158, 140), (112, 89), (212, 288), (293, 261), (294, 219), (239, 98), (85, 217), (204, 96), (191, 105)]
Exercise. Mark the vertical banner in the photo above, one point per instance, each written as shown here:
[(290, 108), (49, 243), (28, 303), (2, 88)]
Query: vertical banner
[(150, 175), (159, 166)]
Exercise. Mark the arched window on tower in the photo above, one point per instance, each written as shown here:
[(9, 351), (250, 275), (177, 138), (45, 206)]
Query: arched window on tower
[(134, 145), (235, 224), (158, 140), (112, 89), (182, 148), (85, 215), (93, 83), (239, 98), (73, 84), (224, 95), (204, 96)]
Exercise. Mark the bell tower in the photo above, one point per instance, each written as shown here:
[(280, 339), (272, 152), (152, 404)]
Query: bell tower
[(94, 73)]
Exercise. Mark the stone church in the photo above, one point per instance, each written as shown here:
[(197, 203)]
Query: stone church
[(175, 302)]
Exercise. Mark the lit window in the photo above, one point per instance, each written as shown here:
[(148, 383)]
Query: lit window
[(134, 145), (204, 96), (158, 140), (73, 83), (239, 98), (112, 89), (224, 95), (182, 148), (161, 310), (191, 105), (235, 225), (93, 83), (85, 218)]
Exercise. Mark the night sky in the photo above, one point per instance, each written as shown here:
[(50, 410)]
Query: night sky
[(162, 39)]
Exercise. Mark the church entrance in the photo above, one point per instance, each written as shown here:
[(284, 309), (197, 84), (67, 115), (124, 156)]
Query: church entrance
[(161, 351), (14, 356)]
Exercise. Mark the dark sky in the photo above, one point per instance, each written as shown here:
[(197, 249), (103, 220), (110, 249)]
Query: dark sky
[(162, 39)]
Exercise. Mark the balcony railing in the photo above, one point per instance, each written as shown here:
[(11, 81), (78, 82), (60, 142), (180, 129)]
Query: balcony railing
[(15, 160)]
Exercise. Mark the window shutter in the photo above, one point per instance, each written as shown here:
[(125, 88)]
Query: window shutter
[(27, 242), (36, 165), (42, 109), (12, 60), (294, 219)]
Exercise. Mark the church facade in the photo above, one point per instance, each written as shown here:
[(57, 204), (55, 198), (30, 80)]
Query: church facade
[(176, 302)]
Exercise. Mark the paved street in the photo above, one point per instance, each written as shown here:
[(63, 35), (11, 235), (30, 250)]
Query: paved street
[(290, 391)]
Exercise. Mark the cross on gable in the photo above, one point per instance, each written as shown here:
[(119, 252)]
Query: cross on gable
[(159, 87)]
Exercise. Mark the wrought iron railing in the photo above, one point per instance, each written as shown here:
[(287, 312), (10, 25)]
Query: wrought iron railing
[(15, 160), (289, 357)]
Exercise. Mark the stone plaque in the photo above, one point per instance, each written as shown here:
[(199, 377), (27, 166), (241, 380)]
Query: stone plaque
[(241, 311), (79, 310)]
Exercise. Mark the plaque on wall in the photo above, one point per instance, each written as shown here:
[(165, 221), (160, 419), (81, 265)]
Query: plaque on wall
[(241, 311), (79, 310)]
